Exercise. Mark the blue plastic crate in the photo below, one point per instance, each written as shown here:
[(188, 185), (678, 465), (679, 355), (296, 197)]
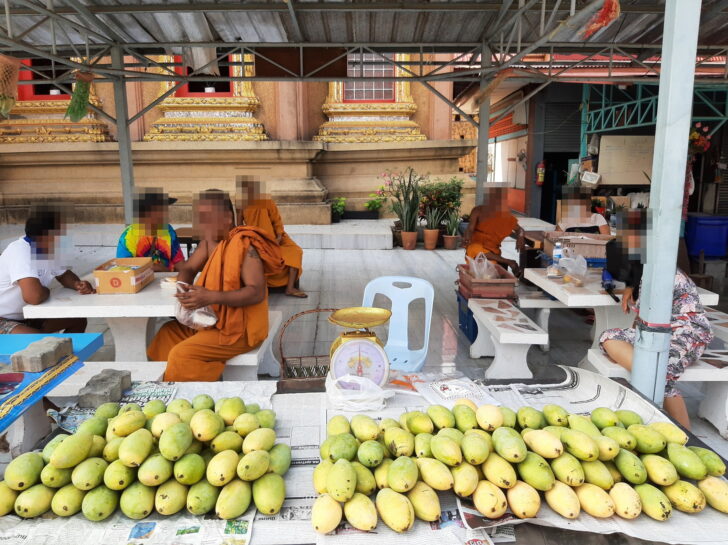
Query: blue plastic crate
[(465, 319), (708, 234)]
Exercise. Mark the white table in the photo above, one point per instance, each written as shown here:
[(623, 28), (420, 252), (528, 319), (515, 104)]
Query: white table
[(126, 314), (607, 312)]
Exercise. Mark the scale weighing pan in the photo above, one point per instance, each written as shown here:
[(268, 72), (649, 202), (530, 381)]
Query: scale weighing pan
[(360, 317)]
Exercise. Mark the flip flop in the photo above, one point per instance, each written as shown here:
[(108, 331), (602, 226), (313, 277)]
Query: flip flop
[(299, 294)]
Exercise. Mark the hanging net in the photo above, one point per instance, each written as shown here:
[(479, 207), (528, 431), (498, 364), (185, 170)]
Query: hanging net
[(9, 69)]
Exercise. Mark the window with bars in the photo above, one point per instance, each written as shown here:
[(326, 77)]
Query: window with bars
[(41, 91), (369, 91)]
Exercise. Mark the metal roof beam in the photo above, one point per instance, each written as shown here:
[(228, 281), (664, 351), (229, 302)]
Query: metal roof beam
[(113, 32), (298, 34), (54, 15)]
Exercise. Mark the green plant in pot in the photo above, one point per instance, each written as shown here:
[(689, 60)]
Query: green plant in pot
[(337, 209), (404, 190), (433, 219), (452, 230)]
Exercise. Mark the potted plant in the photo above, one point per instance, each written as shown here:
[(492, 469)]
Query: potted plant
[(433, 219), (452, 230), (464, 223), (404, 189), (337, 209)]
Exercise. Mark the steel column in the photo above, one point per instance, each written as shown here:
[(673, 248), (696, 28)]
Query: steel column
[(483, 132), (680, 38), (123, 137), (583, 146)]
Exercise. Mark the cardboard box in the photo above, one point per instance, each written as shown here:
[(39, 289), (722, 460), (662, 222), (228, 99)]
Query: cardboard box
[(123, 275), (588, 245)]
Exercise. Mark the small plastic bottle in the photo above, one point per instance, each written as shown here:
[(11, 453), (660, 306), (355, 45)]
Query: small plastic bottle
[(558, 252)]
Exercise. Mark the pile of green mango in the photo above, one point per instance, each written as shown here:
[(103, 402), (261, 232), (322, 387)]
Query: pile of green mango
[(605, 463), (203, 455)]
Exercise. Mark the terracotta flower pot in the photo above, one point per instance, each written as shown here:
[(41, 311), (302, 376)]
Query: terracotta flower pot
[(409, 240), (450, 242), (431, 236)]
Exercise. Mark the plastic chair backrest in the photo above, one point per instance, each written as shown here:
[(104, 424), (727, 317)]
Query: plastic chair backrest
[(411, 289)]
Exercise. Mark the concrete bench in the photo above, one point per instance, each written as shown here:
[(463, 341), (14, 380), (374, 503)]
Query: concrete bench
[(505, 333), (541, 305), (259, 360), (711, 370)]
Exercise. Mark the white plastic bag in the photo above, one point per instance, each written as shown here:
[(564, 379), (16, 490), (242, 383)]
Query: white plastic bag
[(354, 393), (481, 268), (575, 266), (200, 318)]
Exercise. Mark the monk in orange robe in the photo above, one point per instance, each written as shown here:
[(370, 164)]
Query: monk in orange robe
[(232, 283), (490, 223), (259, 210)]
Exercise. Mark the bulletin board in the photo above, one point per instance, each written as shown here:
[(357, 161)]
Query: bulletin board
[(624, 160)]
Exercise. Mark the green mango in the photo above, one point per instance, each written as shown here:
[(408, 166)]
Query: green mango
[(608, 448), (170, 498), (111, 450), (612, 467), (555, 415), (713, 463), (154, 407), (135, 448), (230, 409), (51, 446), (155, 470), (107, 410), (189, 469), (603, 417), (265, 438), (452, 433), (670, 432), (659, 470), (422, 445), (203, 401), (499, 471), (465, 480), (67, 501), (178, 405), (280, 459), (465, 418), (446, 450), (201, 498), (685, 497), (625, 439), (649, 441), (252, 408), (535, 471), (627, 417), (175, 441), (267, 418), (399, 442), (568, 470), (137, 501), (227, 440), (360, 512), (98, 444), (117, 476), (584, 425), (24, 471), (234, 499), (579, 444), (395, 509), (245, 423), (269, 492), (7, 498), (336, 425), (206, 425), (387, 423), (654, 502), (631, 467), (403, 474), (253, 465), (441, 416), (510, 418), (128, 422), (321, 474), (222, 468), (341, 480), (129, 407), (96, 425), (186, 415), (509, 444), (556, 431), (528, 417), (370, 453), (598, 474), (365, 482), (99, 504), (381, 472), (53, 477), (71, 451), (419, 422), (364, 428), (89, 473), (687, 463), (34, 501), (475, 449)]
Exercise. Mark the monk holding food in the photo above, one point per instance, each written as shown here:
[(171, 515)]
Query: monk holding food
[(259, 210), (232, 284)]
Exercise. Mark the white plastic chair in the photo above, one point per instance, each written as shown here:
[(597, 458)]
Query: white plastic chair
[(400, 356)]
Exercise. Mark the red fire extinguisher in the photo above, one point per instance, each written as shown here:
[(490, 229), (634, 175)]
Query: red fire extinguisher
[(540, 173)]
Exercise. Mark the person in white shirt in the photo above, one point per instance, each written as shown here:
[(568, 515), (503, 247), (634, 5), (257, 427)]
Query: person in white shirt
[(27, 267), (576, 214)]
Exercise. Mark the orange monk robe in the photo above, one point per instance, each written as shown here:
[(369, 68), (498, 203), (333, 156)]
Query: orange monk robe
[(264, 215), (490, 232), (193, 355)]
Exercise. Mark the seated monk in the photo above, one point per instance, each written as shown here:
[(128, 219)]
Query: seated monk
[(490, 223), (232, 283), (259, 210)]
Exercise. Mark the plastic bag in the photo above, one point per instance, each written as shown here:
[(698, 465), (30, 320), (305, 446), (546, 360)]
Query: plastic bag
[(575, 267), (481, 268), (200, 318), (354, 393)]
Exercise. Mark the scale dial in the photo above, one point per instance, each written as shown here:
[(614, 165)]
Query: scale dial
[(360, 357)]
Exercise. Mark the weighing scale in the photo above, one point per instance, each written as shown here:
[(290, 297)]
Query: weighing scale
[(358, 351)]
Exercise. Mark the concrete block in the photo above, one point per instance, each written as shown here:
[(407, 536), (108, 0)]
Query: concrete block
[(123, 376), (104, 387), (41, 354)]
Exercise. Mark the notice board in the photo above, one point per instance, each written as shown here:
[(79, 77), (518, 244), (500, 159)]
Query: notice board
[(624, 160)]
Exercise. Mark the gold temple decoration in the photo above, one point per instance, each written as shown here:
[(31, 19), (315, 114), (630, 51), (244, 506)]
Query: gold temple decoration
[(43, 121), (370, 121), (464, 130), (211, 118)]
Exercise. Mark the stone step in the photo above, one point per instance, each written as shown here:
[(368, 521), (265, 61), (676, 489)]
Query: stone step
[(345, 235)]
